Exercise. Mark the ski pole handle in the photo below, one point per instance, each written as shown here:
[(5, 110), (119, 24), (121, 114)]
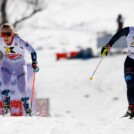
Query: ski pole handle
[(91, 78)]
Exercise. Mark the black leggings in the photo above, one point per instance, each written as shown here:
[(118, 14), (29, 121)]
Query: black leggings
[(129, 78)]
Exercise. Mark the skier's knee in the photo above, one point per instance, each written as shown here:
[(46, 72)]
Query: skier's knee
[(3, 69), (21, 75), (129, 77)]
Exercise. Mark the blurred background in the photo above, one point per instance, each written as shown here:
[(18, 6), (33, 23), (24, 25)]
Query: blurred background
[(64, 25), (68, 36)]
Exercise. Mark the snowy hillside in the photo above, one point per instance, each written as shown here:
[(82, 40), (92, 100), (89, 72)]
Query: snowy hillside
[(77, 105), (69, 24)]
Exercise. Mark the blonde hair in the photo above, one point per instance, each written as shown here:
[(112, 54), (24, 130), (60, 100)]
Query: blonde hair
[(9, 27)]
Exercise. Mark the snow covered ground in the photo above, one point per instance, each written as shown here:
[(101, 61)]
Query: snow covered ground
[(77, 105)]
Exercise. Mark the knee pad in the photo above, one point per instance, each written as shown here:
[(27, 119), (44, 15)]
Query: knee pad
[(5, 95), (25, 99), (129, 77), (5, 92)]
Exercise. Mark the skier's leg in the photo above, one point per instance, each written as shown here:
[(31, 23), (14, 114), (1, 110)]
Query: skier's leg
[(26, 104), (21, 74), (6, 99), (6, 73), (22, 82), (129, 78)]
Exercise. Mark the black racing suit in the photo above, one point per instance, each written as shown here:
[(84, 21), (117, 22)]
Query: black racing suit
[(128, 66)]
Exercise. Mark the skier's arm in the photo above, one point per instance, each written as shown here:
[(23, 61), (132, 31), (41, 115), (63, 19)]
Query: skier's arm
[(123, 32), (106, 48), (31, 50)]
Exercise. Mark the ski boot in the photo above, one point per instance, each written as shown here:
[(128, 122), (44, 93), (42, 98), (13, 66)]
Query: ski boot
[(6, 101), (130, 112), (25, 101)]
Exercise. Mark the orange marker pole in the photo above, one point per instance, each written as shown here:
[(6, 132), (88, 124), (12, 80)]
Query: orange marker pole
[(33, 86)]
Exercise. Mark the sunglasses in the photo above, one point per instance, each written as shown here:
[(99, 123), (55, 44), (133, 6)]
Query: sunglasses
[(8, 34)]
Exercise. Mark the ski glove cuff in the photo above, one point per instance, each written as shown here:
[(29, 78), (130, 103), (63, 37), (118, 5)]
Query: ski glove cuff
[(34, 57)]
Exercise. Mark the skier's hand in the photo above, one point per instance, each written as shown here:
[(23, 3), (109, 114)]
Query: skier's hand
[(105, 50), (35, 67)]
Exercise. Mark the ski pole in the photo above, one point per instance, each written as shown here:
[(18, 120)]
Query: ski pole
[(33, 86), (91, 78)]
